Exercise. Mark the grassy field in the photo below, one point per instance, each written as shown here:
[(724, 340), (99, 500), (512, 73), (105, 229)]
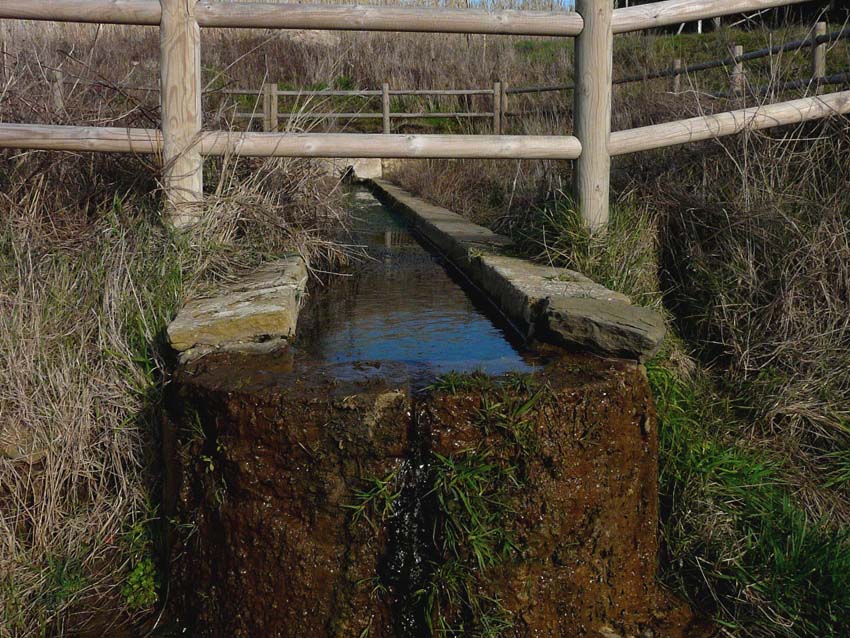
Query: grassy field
[(744, 244)]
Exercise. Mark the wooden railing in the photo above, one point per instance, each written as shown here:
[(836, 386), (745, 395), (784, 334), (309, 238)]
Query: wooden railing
[(269, 110), (183, 143), (499, 94), (818, 42)]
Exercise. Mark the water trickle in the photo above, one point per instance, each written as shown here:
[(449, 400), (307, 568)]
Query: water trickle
[(406, 568)]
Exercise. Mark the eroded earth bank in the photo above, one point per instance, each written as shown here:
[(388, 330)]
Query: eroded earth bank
[(330, 505), (405, 468)]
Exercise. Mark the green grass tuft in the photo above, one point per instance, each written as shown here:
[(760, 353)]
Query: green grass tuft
[(736, 539)]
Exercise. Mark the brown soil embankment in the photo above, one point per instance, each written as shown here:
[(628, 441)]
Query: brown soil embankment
[(271, 466)]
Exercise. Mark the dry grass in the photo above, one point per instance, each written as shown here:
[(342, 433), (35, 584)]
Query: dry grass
[(88, 279), (87, 289), (758, 272)]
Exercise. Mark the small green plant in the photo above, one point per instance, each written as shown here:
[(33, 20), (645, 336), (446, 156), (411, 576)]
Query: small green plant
[(453, 382), (470, 496), (13, 610), (510, 412), (141, 583), (140, 589), (344, 83), (472, 490), (623, 258), (377, 503), (65, 581), (209, 463), (757, 546)]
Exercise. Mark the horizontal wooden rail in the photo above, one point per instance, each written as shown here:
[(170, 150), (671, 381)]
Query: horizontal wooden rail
[(148, 141), (425, 114), (140, 12), (304, 16), (539, 89), (380, 18), (661, 14), (720, 124), (441, 91), (321, 93), (313, 116), (296, 93), (365, 115), (391, 146), (101, 139), (387, 18)]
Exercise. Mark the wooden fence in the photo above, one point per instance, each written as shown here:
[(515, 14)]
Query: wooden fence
[(818, 42), (270, 113), (499, 94), (182, 142)]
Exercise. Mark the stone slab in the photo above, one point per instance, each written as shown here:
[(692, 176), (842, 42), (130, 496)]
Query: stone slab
[(557, 303), (257, 313)]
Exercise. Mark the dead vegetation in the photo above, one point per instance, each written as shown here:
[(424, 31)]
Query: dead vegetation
[(88, 279)]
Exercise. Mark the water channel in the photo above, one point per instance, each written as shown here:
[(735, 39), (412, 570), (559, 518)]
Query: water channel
[(404, 303)]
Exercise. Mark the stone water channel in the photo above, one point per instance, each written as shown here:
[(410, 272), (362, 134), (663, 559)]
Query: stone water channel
[(405, 304), (409, 466)]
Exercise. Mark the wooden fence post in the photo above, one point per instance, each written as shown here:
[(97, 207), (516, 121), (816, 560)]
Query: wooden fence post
[(497, 108), (504, 108), (270, 106), (592, 110), (677, 75), (4, 50), (57, 90), (385, 107), (738, 80), (180, 90), (819, 55)]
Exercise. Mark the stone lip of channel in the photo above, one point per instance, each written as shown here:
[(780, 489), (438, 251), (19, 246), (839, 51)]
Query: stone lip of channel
[(257, 313), (561, 305)]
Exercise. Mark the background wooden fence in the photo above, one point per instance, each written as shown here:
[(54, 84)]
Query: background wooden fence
[(500, 92), (182, 142)]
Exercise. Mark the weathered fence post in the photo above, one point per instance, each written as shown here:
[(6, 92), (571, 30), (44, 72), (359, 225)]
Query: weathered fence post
[(504, 108), (738, 80), (497, 108), (270, 106), (677, 76), (3, 50), (818, 55), (592, 110), (57, 90), (180, 84), (385, 107)]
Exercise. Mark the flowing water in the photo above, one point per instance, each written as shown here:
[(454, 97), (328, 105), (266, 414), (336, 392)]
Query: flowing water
[(403, 303)]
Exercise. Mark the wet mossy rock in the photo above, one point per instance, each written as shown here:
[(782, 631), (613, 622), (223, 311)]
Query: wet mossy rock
[(258, 312), (558, 304), (285, 487)]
